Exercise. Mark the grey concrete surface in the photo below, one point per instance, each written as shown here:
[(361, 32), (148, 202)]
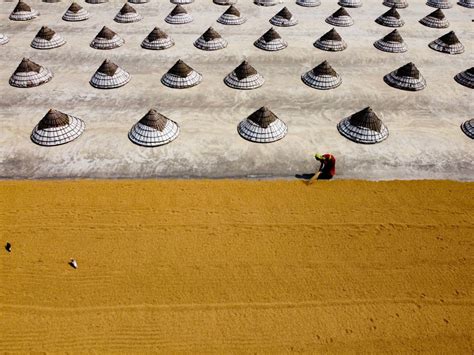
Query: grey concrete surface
[(425, 139)]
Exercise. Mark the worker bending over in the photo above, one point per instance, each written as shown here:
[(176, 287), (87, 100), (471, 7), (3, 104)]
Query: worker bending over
[(327, 169)]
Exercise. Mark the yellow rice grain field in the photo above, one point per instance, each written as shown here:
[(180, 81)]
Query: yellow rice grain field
[(237, 266)]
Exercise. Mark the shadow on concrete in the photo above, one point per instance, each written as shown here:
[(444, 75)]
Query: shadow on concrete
[(304, 176)]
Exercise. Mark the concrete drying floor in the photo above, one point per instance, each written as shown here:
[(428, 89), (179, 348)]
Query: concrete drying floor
[(425, 139)]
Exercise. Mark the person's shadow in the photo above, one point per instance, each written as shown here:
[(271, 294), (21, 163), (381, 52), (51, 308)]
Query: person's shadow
[(304, 176)]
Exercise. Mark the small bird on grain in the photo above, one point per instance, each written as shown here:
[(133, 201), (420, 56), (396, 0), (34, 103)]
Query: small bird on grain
[(73, 263), (8, 247)]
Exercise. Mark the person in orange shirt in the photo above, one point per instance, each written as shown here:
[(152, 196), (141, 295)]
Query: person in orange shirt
[(327, 169)]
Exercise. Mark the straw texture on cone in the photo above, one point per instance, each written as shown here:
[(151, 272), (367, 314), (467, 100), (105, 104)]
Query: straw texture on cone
[(267, 2), (46, 38), (262, 126), (449, 43), (350, 3), (340, 18), (75, 13), (466, 78), (363, 127), (466, 3), (244, 77), (210, 40), (107, 39), (391, 43), (331, 41), (57, 128), (3, 39), (157, 40), (127, 14), (391, 18), (23, 12), (182, 2), (178, 16), (407, 77), (224, 2), (271, 41), (231, 16), (181, 76), (436, 19), (153, 130), (284, 18), (399, 4), (440, 4), (468, 128), (322, 77), (109, 76), (29, 74), (308, 3)]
